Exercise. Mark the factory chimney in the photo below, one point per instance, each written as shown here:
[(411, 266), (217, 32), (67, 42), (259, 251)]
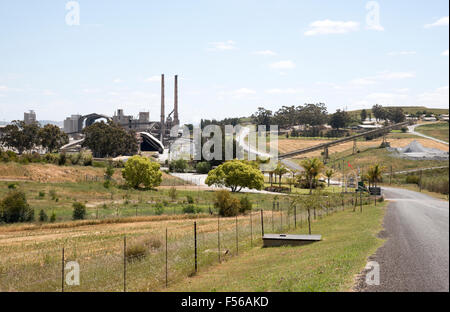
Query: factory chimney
[(163, 117), (176, 121)]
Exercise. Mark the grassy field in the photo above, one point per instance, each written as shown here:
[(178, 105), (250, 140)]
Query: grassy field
[(31, 258), (349, 238), (436, 130)]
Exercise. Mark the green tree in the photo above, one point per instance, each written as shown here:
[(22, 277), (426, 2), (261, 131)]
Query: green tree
[(236, 174), (109, 140), (262, 117), (363, 115), (375, 174), (329, 174), (313, 167), (14, 208), (79, 211), (227, 205), (141, 171), (280, 170), (21, 136), (396, 114), (52, 138), (340, 119), (379, 112)]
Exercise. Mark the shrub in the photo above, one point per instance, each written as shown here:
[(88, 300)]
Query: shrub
[(190, 199), (412, 179), (159, 209), (15, 208), (245, 205), (62, 159), (41, 194), (226, 204), (203, 167), (79, 211), (136, 251), (86, 158), (141, 171), (191, 209), (43, 216), (178, 165), (51, 158), (75, 158), (53, 217), (52, 194), (173, 193), (12, 186), (404, 129)]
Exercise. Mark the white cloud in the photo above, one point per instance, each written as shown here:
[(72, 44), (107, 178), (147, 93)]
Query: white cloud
[(222, 45), (283, 65), (445, 53), (395, 75), (284, 91), (48, 93), (396, 53), (436, 98), (265, 53), (153, 79), (118, 80), (237, 94), (388, 99), (363, 81), (443, 21), (331, 27)]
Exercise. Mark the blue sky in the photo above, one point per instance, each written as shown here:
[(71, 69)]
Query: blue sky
[(231, 56)]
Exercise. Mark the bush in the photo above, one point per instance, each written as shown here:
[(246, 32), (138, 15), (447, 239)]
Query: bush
[(53, 217), (51, 158), (75, 158), (203, 167), (179, 165), (15, 208), (227, 205), (191, 209), (159, 209), (43, 216), (173, 193), (136, 251), (412, 179), (141, 171), (404, 129), (52, 194), (86, 158), (245, 205), (41, 194), (79, 211), (12, 186), (189, 199), (62, 159)]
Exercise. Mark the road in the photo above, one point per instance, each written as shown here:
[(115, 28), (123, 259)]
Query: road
[(415, 255), (411, 129)]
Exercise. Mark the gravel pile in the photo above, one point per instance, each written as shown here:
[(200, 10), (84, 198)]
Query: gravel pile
[(415, 150)]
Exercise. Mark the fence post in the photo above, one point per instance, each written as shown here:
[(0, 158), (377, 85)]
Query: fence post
[(125, 263), (218, 235), (273, 208), (360, 201), (262, 223), (237, 237), (251, 230), (195, 246), (167, 263), (62, 270), (281, 217), (295, 216), (309, 221)]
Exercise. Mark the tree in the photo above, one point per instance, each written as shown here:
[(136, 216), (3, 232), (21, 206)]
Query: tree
[(109, 140), (363, 115), (395, 114), (79, 211), (374, 174), (313, 167), (280, 170), (312, 114), (21, 136), (339, 119), (262, 117), (379, 112), (329, 174), (14, 208), (52, 138), (236, 174), (141, 171), (227, 205)]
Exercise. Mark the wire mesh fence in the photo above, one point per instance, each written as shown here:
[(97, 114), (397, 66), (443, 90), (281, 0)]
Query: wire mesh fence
[(158, 258)]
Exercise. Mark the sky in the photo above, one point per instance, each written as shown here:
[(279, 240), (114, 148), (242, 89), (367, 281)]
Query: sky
[(78, 57)]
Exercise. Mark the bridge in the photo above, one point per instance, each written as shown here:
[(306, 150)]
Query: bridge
[(327, 145)]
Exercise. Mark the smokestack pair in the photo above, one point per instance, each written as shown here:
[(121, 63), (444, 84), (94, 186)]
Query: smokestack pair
[(176, 121)]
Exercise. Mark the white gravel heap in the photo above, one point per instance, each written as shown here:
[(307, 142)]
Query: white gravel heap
[(415, 150)]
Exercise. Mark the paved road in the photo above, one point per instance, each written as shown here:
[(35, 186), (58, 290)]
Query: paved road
[(412, 130), (415, 255)]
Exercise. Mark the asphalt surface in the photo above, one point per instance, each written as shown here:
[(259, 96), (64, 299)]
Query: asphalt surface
[(415, 255)]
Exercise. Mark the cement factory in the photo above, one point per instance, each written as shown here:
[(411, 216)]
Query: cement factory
[(153, 135)]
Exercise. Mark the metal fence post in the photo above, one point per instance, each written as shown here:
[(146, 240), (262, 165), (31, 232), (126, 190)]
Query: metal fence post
[(62, 270), (124, 263), (251, 230), (167, 263), (309, 221), (262, 223), (295, 216), (237, 237), (195, 246), (218, 236)]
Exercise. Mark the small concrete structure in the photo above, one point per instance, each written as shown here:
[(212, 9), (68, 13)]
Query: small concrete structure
[(276, 240)]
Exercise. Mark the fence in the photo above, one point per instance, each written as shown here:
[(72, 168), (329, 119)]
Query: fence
[(157, 258)]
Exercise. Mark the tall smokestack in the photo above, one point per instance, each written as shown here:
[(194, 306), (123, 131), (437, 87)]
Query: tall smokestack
[(163, 117), (176, 121)]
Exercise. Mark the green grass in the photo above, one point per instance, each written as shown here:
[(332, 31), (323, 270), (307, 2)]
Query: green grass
[(349, 238), (436, 130)]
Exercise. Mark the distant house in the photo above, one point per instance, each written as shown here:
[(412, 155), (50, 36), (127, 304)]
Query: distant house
[(432, 118), (444, 117), (369, 127)]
